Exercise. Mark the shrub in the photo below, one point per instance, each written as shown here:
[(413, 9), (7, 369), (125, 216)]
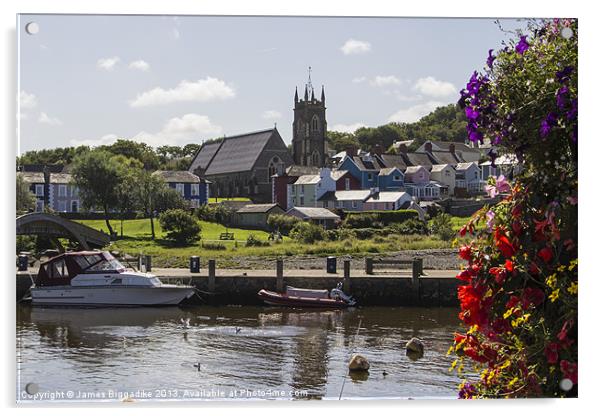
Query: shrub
[(181, 227), (306, 232), (26, 243), (282, 223), (378, 219), (441, 225), (364, 233), (253, 241), (214, 213), (413, 226), (213, 246)]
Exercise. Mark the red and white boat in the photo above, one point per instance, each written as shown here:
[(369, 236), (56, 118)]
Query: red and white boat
[(308, 298), (95, 278)]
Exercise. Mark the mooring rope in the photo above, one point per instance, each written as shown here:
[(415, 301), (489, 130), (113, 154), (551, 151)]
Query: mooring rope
[(345, 376)]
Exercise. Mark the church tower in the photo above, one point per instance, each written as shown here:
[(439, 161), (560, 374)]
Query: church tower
[(309, 128)]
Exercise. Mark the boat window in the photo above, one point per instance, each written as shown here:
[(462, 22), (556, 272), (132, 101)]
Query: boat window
[(58, 270), (117, 281), (107, 265)]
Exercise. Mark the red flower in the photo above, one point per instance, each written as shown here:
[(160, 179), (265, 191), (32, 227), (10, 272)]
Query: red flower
[(503, 244), (517, 228), (569, 370), (532, 295), (465, 253), (562, 335), (551, 352), (463, 231), (546, 254), (512, 302), (509, 266), (533, 269), (499, 274), (464, 275)]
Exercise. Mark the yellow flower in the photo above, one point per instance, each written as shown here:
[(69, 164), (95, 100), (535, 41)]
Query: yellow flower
[(453, 364), (508, 313), (572, 288), (572, 265), (551, 281), (512, 382), (554, 295), (561, 268)]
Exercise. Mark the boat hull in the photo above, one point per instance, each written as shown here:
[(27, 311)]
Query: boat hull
[(280, 299), (110, 296)]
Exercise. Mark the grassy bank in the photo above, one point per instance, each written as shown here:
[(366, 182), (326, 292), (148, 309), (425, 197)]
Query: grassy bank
[(137, 240)]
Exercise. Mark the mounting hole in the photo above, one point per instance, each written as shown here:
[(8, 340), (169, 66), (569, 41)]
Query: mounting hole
[(566, 384), (31, 388), (32, 28), (566, 32)]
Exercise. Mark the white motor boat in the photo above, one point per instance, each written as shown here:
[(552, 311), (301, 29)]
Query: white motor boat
[(94, 278)]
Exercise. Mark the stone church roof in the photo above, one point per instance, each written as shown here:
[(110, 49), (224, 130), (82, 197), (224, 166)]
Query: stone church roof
[(231, 154)]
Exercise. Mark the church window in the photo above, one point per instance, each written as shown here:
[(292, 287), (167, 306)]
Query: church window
[(273, 166), (315, 121), (306, 129), (315, 158)]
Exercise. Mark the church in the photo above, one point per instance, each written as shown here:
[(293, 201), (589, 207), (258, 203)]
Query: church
[(243, 165)]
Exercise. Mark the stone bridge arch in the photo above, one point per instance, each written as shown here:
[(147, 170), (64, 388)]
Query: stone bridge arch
[(54, 227)]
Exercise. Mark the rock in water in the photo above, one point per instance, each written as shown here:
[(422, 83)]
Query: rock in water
[(359, 363), (415, 348)]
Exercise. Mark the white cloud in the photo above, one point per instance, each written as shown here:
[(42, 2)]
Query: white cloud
[(358, 80), (347, 128), (203, 90), (414, 113), (139, 65), (104, 140), (385, 81), (46, 119), (271, 114), (355, 47), (27, 101), (176, 131), (435, 88), (107, 64)]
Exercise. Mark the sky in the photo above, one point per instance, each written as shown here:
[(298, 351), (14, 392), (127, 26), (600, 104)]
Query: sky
[(173, 80)]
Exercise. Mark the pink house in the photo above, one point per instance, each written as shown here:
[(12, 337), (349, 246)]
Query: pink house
[(417, 175)]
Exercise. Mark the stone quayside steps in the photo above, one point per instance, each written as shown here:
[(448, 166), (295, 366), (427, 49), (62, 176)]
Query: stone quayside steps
[(384, 288)]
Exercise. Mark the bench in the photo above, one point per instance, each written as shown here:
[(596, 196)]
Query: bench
[(415, 264), (226, 236)]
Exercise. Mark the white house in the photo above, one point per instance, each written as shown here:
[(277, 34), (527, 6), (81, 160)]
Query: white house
[(446, 175), (307, 189), (386, 201)]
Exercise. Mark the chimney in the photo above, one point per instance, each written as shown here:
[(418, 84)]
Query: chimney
[(452, 148), (402, 148), (351, 151), (377, 149), (428, 146)]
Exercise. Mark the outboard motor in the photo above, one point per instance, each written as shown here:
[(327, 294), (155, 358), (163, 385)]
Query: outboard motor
[(337, 293)]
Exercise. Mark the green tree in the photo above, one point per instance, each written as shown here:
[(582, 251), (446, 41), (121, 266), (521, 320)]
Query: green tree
[(134, 150), (341, 141), (148, 193), (25, 199), (169, 198), (180, 227), (126, 200), (98, 176)]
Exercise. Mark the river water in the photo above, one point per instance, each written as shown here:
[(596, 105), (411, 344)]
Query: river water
[(230, 353)]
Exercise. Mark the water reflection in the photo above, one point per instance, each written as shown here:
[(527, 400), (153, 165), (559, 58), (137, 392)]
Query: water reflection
[(236, 348)]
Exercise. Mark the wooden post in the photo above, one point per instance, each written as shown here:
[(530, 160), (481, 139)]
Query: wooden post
[(148, 262), (416, 272), (211, 275), (369, 265), (280, 275), (346, 276)]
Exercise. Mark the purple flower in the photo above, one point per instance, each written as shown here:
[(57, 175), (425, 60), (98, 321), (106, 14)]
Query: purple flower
[(471, 113), (574, 135), (522, 45), (572, 113), (467, 391), (547, 124), (490, 215), (490, 59), (563, 75), (561, 96)]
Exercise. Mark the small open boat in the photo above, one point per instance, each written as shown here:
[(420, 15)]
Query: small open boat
[(308, 298)]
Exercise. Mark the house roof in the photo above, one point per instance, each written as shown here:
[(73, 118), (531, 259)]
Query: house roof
[(32, 177), (204, 155), (458, 146), (392, 160), (388, 171), (368, 162), (388, 197), (257, 208), (308, 180), (239, 153), (419, 159), (361, 194), (61, 178), (299, 170), (180, 176), (314, 213), (445, 157), (465, 166), (440, 168), (338, 174), (414, 169)]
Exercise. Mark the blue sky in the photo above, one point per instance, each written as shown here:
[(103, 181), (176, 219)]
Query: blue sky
[(89, 79)]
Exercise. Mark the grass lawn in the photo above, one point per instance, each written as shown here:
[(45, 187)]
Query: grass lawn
[(236, 198), (137, 240)]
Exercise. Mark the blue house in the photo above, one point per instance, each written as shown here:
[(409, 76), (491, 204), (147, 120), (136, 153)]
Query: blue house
[(364, 168), (192, 188), (390, 179)]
